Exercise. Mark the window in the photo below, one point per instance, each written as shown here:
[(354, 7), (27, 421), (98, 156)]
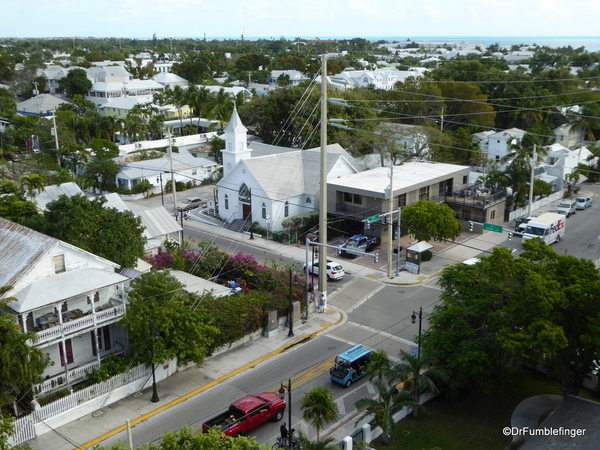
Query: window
[(226, 202), (59, 263), (466, 214), (465, 179), (358, 199), (402, 200), (68, 349), (102, 342), (308, 200), (348, 197), (286, 210), (194, 171), (497, 157), (264, 211), (492, 214), (244, 193), (424, 193)]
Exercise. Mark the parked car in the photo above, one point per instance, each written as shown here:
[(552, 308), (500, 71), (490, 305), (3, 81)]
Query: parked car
[(359, 242), (583, 202), (567, 208), (247, 413), (471, 261), (521, 224), (335, 271), (190, 203)]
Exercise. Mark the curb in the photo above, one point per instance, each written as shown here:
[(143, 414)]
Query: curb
[(213, 383)]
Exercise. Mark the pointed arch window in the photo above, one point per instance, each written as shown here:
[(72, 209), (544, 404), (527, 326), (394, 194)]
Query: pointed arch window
[(226, 201), (286, 209), (308, 200), (244, 193), (264, 211)]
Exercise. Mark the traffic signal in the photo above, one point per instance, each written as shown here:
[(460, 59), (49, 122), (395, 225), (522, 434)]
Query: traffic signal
[(470, 226), (375, 258), (367, 225), (509, 236)]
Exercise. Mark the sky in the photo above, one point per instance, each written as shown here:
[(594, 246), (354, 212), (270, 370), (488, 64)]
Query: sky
[(297, 18)]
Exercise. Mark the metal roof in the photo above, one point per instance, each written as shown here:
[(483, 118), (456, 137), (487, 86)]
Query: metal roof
[(64, 286)]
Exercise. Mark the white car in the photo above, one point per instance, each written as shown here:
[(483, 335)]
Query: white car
[(583, 202), (567, 208), (335, 271)]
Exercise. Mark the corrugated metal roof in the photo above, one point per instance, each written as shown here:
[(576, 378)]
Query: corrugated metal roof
[(64, 286), (158, 222), (51, 193), (20, 249)]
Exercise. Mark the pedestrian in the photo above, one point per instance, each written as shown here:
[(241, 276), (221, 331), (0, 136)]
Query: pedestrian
[(284, 433), (291, 442), (252, 232), (322, 302), (176, 213)]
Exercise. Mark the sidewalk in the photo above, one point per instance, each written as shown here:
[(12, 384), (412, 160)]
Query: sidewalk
[(89, 431)]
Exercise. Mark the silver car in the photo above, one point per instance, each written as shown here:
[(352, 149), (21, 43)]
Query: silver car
[(583, 202)]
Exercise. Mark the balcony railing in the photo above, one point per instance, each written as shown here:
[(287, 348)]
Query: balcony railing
[(356, 212), (57, 381), (73, 326)]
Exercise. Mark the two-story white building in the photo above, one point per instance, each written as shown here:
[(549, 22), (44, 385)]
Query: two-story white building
[(70, 298)]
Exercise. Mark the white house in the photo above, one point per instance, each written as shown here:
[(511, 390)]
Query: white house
[(561, 162), (274, 184), (296, 77), (567, 136), (496, 145), (384, 79), (70, 298), (186, 168), (114, 81)]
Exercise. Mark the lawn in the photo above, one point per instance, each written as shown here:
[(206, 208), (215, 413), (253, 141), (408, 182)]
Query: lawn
[(474, 421)]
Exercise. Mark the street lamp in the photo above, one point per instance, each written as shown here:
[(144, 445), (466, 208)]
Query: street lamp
[(162, 195), (413, 318), (154, 337), (282, 391)]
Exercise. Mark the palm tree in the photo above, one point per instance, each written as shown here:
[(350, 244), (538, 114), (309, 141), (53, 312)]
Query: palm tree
[(33, 184), (418, 373), (198, 97), (328, 443), (20, 363), (319, 408), (379, 365), (390, 400)]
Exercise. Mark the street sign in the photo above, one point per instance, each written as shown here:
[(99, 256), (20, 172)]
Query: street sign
[(374, 218), (492, 227), (414, 351)]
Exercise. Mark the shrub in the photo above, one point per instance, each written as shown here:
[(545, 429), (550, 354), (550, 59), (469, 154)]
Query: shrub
[(426, 255)]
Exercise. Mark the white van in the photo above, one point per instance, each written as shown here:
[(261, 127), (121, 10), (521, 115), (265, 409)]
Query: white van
[(550, 227)]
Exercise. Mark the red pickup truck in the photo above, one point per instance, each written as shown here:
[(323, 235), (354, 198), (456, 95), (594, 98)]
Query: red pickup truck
[(247, 413)]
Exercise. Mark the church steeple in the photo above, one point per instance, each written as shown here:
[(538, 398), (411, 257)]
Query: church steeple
[(236, 143)]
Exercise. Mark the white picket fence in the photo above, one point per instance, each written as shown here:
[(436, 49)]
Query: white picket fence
[(86, 400)]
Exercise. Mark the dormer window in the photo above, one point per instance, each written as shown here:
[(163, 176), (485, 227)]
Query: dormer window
[(59, 263)]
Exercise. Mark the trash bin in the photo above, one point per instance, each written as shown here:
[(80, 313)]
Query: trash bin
[(277, 236), (292, 238)]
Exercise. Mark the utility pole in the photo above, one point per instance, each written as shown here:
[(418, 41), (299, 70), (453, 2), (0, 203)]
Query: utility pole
[(533, 158), (391, 222), (323, 193), (55, 136)]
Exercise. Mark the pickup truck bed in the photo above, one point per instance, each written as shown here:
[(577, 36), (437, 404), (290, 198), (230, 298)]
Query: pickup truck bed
[(247, 413)]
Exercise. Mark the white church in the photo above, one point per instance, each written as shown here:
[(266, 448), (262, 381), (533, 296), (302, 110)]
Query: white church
[(267, 184)]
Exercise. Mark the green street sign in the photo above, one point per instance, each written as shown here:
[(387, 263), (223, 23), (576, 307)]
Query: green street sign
[(492, 227), (373, 218)]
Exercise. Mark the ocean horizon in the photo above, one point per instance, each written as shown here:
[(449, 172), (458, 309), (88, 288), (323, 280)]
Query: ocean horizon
[(590, 43)]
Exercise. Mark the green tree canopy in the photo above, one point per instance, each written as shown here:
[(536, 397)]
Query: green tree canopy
[(165, 322), (495, 313), (87, 224), (75, 82), (20, 363), (427, 220)]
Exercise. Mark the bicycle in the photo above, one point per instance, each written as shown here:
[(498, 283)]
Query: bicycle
[(281, 444)]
